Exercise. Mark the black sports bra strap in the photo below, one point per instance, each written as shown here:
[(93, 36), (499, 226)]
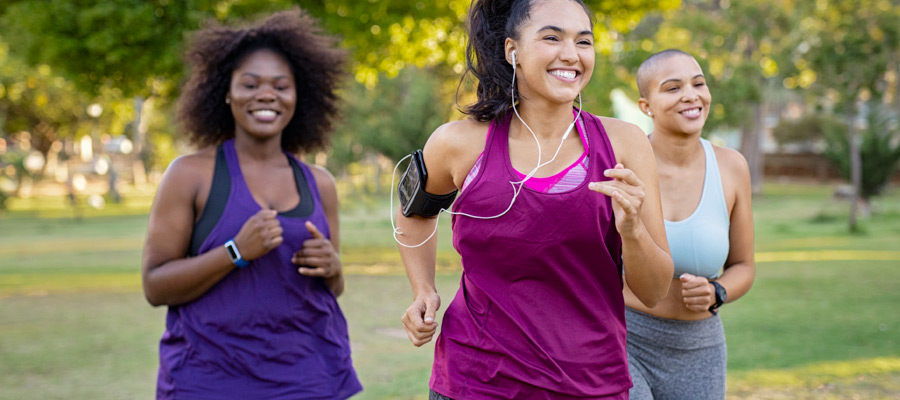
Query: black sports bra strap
[(307, 203), (215, 203)]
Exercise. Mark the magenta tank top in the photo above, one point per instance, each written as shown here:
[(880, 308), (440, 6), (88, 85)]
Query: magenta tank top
[(539, 313)]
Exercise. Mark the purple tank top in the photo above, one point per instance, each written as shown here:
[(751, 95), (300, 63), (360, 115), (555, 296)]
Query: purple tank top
[(263, 331), (539, 313)]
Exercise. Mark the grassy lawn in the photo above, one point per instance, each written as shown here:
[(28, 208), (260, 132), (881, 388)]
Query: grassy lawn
[(820, 323)]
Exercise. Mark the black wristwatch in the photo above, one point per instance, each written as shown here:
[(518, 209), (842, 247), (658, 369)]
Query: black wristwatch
[(721, 296)]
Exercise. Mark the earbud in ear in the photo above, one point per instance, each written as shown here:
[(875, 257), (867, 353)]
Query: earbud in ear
[(513, 56)]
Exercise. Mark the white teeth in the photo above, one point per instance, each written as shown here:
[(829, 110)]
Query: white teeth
[(264, 113), (691, 113), (563, 74)]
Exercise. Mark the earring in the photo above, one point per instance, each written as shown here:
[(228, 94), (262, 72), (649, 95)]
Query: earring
[(650, 114), (227, 101)]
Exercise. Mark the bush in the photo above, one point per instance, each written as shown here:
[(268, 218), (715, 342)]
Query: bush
[(879, 149)]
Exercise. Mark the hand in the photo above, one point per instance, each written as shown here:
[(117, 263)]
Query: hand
[(317, 256), (418, 321), (698, 294), (627, 192), (259, 234)]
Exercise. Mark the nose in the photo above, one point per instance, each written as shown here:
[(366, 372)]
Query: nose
[(690, 94), (266, 93), (569, 53)]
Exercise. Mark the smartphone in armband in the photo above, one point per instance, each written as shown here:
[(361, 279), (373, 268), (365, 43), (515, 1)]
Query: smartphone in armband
[(414, 200)]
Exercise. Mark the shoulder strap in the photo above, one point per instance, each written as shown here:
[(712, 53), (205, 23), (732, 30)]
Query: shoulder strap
[(307, 202), (215, 203)]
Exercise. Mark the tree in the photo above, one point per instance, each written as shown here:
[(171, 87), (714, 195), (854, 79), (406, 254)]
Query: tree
[(852, 48), (134, 46)]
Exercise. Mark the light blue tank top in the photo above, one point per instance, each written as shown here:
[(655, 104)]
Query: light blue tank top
[(699, 243)]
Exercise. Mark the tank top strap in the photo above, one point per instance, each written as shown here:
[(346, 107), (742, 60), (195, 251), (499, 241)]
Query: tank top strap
[(601, 149), (712, 183), (496, 143), (234, 166)]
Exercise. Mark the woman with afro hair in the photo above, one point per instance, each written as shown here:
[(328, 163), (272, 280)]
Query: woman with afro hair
[(242, 243)]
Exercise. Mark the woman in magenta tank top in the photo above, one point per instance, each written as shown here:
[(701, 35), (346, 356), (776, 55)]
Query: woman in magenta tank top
[(540, 312), (242, 243)]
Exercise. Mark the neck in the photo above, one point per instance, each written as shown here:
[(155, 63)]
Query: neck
[(678, 149), (260, 149), (548, 121)]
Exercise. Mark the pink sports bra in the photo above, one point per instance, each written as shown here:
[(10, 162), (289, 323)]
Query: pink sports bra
[(565, 180)]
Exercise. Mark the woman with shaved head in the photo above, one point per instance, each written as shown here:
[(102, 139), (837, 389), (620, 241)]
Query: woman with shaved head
[(676, 350)]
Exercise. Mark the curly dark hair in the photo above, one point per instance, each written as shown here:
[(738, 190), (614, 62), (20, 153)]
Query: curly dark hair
[(490, 22), (217, 50)]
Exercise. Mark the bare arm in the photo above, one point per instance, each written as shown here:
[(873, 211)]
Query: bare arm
[(740, 270), (638, 210), (170, 278), (447, 160)]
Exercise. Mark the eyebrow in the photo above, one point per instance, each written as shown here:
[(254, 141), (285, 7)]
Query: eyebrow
[(561, 30), (679, 80), (260, 76)]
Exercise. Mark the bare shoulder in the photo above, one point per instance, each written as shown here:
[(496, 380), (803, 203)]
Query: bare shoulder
[(628, 140), (451, 152), (192, 169), (459, 137), (322, 175)]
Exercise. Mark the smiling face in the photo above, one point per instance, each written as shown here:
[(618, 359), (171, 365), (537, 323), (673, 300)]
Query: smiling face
[(554, 52), (262, 94), (677, 97)]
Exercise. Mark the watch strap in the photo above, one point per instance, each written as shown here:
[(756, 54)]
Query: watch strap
[(719, 292)]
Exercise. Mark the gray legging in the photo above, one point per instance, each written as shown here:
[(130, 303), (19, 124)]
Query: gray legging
[(671, 359)]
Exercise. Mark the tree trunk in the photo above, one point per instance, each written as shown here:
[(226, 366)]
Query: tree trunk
[(750, 138), (855, 166), (143, 113)]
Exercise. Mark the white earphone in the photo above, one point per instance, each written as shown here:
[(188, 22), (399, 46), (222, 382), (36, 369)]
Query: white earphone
[(513, 55)]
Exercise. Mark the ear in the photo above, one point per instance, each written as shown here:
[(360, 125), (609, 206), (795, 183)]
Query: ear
[(645, 107), (508, 47)]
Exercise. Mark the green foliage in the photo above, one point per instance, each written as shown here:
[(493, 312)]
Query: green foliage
[(136, 42), (879, 149), (394, 118), (850, 45), (808, 128)]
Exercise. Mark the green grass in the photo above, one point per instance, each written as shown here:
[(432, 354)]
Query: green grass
[(74, 324)]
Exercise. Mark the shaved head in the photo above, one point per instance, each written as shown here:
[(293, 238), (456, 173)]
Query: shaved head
[(650, 66)]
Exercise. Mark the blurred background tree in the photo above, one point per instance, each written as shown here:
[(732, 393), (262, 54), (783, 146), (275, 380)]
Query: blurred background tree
[(852, 47), (57, 57)]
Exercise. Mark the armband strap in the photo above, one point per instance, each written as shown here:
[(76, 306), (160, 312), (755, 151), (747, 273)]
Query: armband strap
[(432, 204)]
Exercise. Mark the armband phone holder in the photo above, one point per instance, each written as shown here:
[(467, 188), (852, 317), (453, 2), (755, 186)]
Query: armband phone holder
[(414, 200)]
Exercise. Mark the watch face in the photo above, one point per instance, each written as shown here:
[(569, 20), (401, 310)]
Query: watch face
[(231, 252)]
